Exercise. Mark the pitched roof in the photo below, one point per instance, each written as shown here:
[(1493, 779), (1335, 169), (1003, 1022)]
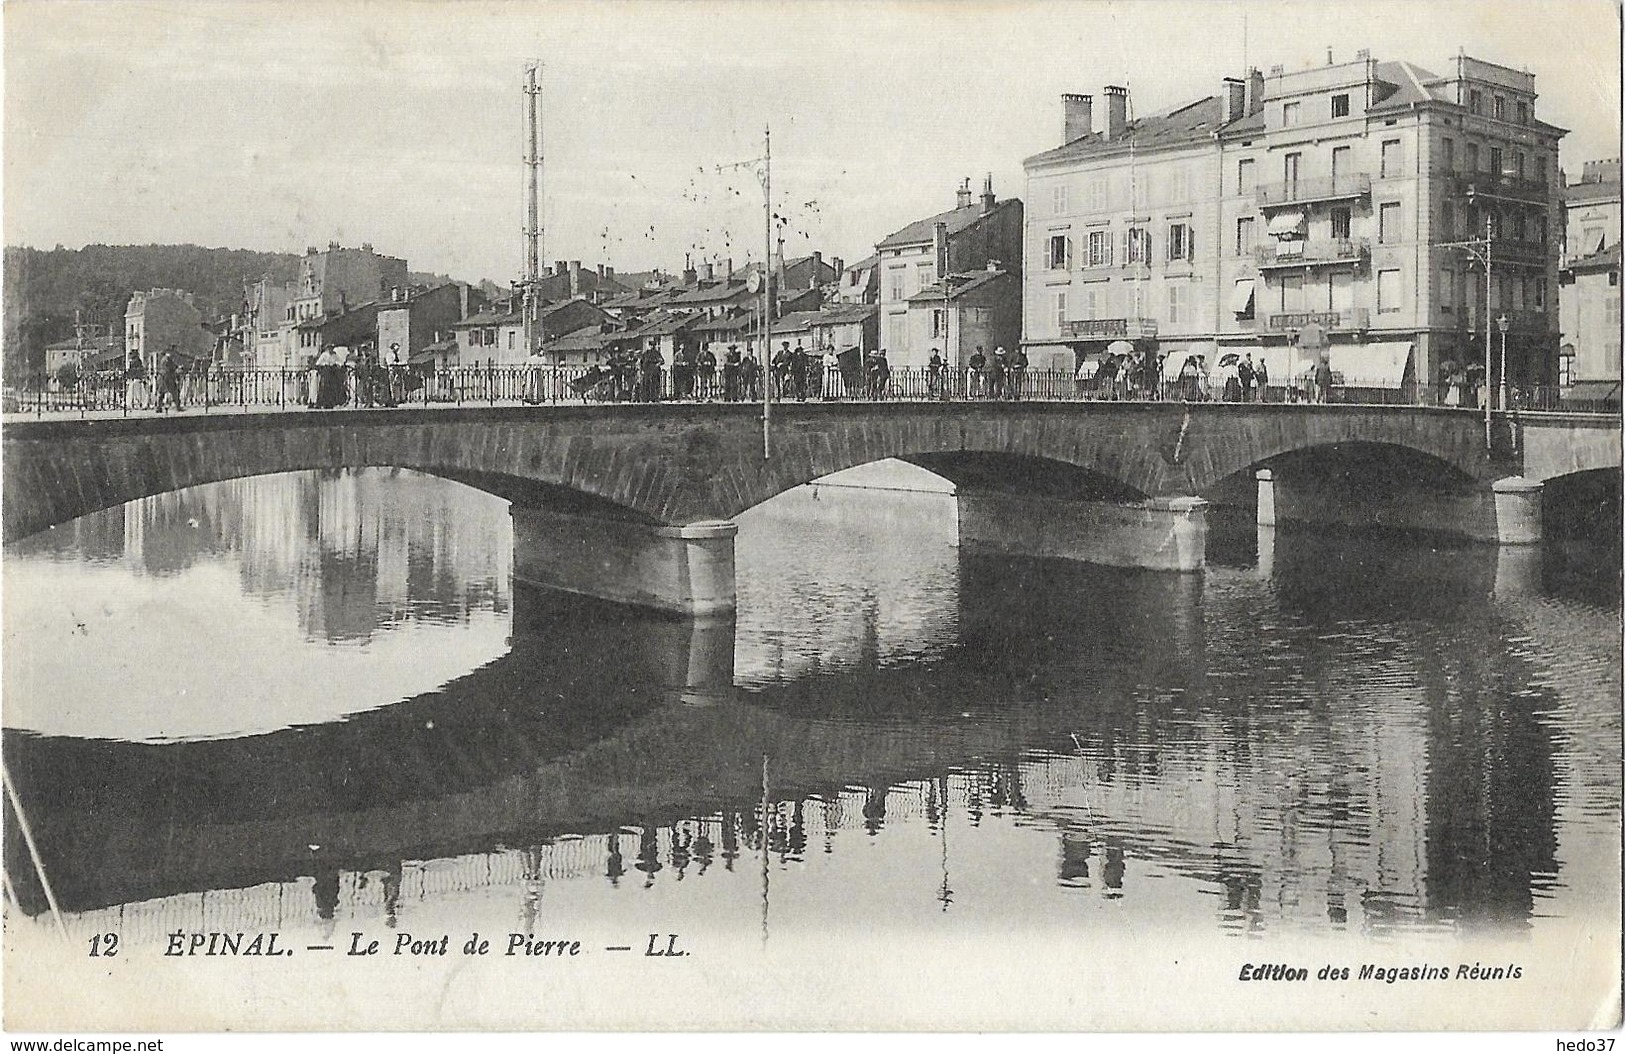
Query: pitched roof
[(723, 290), (955, 220), (839, 315), (1401, 84), (724, 325), (665, 325), (587, 338), (1194, 122), (958, 286), (1607, 259), (488, 318), (1579, 193)]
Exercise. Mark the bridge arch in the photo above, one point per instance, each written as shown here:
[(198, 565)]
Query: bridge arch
[(681, 464)]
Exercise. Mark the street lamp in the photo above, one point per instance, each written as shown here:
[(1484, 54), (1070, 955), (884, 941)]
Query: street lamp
[(1502, 324)]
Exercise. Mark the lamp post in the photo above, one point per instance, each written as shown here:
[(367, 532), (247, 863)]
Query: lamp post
[(1502, 324)]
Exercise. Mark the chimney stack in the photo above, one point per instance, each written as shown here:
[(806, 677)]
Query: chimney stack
[(600, 270), (839, 267), (1116, 111), (1235, 99), (1254, 101), (962, 199), (575, 277), (815, 280), (558, 267), (1080, 116), (729, 263), (988, 201), (707, 271), (939, 248)]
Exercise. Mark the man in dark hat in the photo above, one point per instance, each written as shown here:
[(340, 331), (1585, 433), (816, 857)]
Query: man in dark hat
[(169, 380)]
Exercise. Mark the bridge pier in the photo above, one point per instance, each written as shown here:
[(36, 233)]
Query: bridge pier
[(1157, 534), (1506, 512), (685, 570)]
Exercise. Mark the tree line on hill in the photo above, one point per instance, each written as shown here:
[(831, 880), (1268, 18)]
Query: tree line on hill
[(46, 288)]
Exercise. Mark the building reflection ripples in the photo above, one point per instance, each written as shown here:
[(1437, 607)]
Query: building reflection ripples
[(1318, 732)]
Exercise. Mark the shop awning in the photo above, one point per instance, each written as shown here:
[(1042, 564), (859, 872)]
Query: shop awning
[(1383, 364), (1241, 297), (1593, 391), (1285, 223)]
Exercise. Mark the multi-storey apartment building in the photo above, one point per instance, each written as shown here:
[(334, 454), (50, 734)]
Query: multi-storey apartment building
[(1300, 214), (1589, 298), (967, 238), (341, 278), (161, 320)]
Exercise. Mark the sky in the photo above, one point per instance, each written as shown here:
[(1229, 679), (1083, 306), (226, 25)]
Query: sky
[(276, 125)]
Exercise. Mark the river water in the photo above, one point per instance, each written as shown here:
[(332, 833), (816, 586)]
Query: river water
[(319, 703)]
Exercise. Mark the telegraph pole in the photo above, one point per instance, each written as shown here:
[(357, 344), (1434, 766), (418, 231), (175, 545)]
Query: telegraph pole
[(533, 224), (767, 292), (763, 167), (1480, 249)]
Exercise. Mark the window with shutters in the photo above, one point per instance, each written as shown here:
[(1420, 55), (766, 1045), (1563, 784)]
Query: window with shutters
[(1058, 303), (1388, 222), (1342, 222), (1244, 236), (1180, 242), (1100, 248), (1176, 296), (1245, 176), (1139, 245), (1058, 252), (1447, 291), (1387, 291), (1059, 200), (1390, 158)]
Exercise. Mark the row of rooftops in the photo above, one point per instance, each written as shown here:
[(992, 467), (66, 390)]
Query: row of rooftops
[(1237, 110)]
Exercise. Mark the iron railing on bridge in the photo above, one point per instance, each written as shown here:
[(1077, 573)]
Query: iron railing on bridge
[(242, 390)]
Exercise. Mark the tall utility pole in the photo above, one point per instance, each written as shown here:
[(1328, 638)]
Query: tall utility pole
[(763, 168), (1480, 249), (533, 222), (767, 294)]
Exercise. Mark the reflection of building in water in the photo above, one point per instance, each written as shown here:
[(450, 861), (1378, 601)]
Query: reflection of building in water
[(798, 556), (1306, 763), (356, 551)]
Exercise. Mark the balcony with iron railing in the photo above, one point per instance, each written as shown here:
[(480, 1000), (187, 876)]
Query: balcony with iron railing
[(1506, 250), (1502, 187), (1523, 321), (1111, 328), (1351, 319), (1308, 191), (1323, 253)]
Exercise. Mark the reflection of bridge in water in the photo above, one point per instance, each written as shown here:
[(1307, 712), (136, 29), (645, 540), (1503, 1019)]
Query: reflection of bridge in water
[(638, 501), (1142, 732)]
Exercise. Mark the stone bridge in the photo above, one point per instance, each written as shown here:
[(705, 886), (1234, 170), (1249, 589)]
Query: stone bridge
[(677, 473)]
